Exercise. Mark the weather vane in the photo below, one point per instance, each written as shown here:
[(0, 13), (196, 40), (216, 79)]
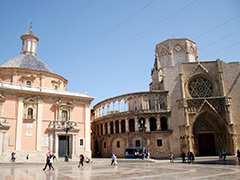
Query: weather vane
[(30, 23)]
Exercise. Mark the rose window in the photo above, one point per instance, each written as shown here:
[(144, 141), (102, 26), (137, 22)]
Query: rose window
[(200, 87)]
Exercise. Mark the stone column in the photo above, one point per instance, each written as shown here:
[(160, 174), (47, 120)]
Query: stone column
[(126, 124), (136, 124), (114, 126), (50, 142), (1, 142), (125, 106), (120, 126), (56, 143), (103, 111), (108, 128), (76, 144), (99, 112), (39, 125), (147, 124), (158, 123), (19, 124), (108, 108)]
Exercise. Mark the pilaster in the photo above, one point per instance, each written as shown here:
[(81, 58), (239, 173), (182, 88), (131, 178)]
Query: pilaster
[(39, 125), (19, 124), (87, 128)]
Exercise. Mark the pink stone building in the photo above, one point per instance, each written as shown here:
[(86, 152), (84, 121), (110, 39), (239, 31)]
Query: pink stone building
[(36, 109)]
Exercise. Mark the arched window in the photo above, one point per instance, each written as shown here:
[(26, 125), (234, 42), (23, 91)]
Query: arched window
[(64, 116), (135, 106), (123, 129), (106, 128), (131, 125), (101, 129), (153, 124), (30, 113), (97, 130), (111, 128), (117, 126), (164, 125)]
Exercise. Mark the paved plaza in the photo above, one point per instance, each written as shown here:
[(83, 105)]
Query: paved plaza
[(203, 168)]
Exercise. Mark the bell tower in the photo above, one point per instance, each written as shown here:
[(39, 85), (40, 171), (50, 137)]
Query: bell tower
[(168, 54), (29, 42)]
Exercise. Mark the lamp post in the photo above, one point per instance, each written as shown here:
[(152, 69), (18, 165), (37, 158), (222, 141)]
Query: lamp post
[(66, 127), (142, 127)]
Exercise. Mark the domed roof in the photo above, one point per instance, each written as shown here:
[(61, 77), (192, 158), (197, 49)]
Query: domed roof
[(26, 61), (30, 32)]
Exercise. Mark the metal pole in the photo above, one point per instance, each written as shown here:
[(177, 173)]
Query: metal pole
[(142, 145), (66, 157)]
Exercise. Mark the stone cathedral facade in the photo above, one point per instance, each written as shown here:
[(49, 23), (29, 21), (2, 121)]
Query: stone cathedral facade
[(35, 107), (191, 105)]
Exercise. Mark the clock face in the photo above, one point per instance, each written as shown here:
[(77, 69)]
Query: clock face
[(178, 48)]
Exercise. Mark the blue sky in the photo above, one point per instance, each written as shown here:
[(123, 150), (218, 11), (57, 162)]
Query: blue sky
[(106, 47)]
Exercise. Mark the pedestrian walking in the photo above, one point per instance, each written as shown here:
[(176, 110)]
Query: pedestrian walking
[(189, 156), (220, 156), (27, 157), (192, 156), (171, 156), (148, 155), (114, 159), (238, 156), (51, 162), (47, 161), (81, 160), (183, 155), (224, 155), (13, 157)]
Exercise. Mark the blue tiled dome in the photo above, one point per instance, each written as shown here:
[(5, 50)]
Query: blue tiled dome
[(26, 61)]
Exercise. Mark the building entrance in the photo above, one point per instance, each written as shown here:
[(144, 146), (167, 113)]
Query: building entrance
[(206, 144), (62, 143)]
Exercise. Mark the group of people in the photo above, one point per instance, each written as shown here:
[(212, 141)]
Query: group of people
[(82, 159), (190, 157), (222, 155), (49, 161)]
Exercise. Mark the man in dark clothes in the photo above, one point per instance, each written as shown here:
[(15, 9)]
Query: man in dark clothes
[(47, 161)]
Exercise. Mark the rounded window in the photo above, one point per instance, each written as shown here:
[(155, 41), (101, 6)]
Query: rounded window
[(200, 87)]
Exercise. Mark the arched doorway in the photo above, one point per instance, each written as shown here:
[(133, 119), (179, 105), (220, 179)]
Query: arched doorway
[(210, 134)]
